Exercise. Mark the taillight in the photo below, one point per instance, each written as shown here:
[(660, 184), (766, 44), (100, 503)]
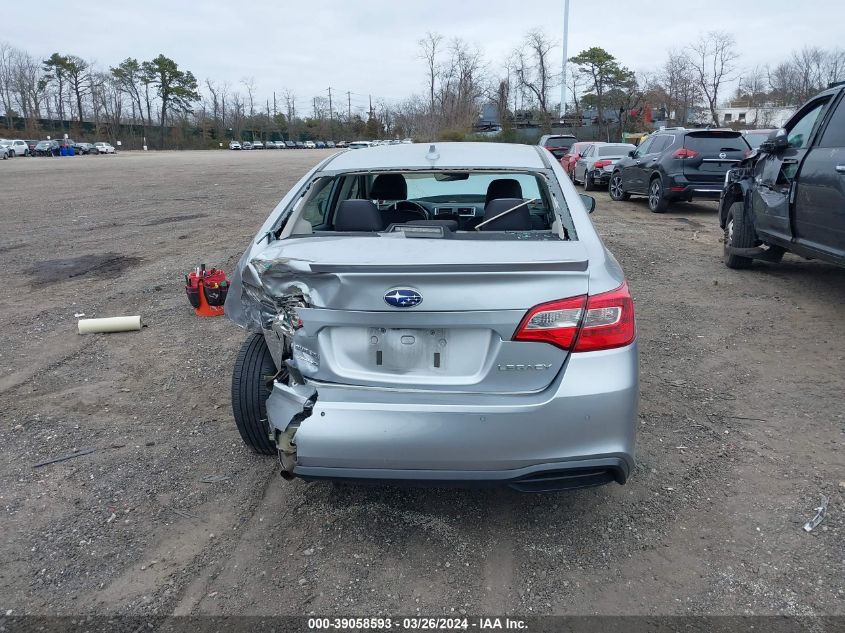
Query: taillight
[(555, 322), (608, 322), (599, 164), (582, 324), (685, 153)]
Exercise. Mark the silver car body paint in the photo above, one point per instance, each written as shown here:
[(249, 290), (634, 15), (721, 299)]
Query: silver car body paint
[(613, 152), (490, 408)]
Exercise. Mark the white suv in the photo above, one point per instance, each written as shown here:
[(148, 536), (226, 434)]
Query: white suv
[(18, 147)]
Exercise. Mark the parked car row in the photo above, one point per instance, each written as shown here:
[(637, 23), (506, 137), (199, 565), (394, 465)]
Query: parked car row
[(672, 164), (778, 190), (52, 147), (242, 145)]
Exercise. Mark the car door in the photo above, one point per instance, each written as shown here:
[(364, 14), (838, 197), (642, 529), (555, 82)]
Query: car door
[(649, 162), (819, 211), (632, 171), (581, 163), (775, 173)]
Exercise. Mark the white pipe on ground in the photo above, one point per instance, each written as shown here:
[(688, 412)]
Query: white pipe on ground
[(110, 324)]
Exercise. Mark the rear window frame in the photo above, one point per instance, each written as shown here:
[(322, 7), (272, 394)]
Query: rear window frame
[(550, 190)]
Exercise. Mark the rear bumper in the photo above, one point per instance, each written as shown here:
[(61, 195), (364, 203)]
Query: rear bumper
[(580, 431), (677, 187), (567, 475), (600, 176)]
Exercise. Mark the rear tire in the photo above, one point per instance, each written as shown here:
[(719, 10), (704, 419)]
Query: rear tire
[(738, 234), (615, 189), (656, 200), (588, 182), (250, 392)]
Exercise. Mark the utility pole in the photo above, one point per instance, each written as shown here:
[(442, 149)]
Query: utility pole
[(565, 58), (274, 103), (315, 107), (349, 105)]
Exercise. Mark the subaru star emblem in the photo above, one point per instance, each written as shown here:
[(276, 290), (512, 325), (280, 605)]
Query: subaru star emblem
[(402, 297), (723, 155)]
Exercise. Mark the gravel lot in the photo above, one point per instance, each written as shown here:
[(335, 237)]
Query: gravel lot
[(741, 429)]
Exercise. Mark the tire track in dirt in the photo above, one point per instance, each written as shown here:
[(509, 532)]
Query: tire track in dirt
[(498, 572), (207, 564)]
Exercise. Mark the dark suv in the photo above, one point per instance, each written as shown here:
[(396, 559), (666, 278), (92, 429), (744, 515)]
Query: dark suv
[(790, 194), (678, 164)]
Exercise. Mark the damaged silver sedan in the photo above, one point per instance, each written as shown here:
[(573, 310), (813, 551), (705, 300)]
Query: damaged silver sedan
[(443, 314)]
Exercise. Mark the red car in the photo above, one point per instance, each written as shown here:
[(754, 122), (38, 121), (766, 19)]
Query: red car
[(571, 157)]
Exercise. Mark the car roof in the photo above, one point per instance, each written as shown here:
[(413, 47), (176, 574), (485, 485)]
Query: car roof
[(450, 155)]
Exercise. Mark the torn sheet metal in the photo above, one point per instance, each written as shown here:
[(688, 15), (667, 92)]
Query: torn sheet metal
[(821, 511), (289, 404)]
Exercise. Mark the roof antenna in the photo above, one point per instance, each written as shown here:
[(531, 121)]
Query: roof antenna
[(432, 153)]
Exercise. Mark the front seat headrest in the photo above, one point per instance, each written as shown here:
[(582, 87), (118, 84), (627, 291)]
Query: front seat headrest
[(517, 220), (503, 188), (389, 187), (358, 215)]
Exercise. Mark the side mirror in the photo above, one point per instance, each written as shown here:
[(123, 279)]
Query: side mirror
[(589, 202), (777, 142), (632, 153)]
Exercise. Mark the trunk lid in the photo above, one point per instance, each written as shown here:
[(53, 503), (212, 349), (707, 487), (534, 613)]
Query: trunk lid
[(427, 314), (712, 154)]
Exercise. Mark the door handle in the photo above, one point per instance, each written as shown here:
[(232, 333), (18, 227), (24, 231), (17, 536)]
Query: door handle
[(840, 169)]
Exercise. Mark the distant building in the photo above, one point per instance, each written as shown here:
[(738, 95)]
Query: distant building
[(754, 117)]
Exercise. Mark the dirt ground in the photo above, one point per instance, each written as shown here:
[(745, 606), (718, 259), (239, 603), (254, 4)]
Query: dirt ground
[(741, 429)]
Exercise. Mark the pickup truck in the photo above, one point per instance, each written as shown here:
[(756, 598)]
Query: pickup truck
[(789, 195)]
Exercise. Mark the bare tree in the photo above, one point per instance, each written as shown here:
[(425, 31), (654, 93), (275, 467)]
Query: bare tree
[(429, 49), (461, 85), (249, 85), (677, 87), (713, 60), (533, 67), (499, 94)]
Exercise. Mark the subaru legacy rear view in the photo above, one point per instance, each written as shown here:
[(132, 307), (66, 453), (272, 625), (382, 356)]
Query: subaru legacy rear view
[(443, 314)]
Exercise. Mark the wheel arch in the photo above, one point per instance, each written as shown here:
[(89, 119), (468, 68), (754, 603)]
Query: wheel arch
[(734, 192)]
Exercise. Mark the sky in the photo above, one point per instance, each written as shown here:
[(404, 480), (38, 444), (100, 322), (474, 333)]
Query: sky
[(371, 47)]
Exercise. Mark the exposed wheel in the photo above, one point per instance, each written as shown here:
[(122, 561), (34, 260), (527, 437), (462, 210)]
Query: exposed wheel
[(588, 182), (656, 201), (738, 234), (615, 188), (250, 393)]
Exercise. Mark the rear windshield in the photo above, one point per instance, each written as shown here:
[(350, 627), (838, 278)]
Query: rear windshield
[(559, 141), (367, 203), (716, 142), (614, 150)]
